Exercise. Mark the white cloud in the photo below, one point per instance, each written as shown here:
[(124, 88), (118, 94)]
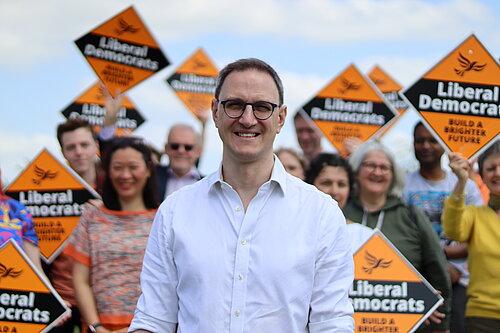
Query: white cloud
[(32, 30)]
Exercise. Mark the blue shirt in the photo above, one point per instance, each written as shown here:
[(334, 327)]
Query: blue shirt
[(16, 223)]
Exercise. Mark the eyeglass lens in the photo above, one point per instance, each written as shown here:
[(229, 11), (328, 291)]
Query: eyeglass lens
[(176, 146)]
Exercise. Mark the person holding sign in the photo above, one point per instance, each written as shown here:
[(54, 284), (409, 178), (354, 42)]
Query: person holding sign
[(16, 223), (249, 248), (427, 188), (480, 227), (109, 242), (376, 203)]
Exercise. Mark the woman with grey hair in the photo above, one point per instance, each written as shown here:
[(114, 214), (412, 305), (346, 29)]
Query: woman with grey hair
[(376, 203)]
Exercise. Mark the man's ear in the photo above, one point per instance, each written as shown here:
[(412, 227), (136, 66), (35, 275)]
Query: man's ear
[(283, 110), (214, 107)]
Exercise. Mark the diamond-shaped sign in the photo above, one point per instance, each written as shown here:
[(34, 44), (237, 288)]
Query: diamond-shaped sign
[(27, 302), (390, 89), (54, 195), (388, 294), (194, 82), (459, 99), (90, 106), (122, 51), (349, 106)]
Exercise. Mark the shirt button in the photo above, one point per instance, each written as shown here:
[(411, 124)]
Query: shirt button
[(237, 313), (244, 242), (237, 208), (240, 277)]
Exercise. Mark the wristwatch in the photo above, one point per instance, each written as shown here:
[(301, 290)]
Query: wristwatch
[(93, 327)]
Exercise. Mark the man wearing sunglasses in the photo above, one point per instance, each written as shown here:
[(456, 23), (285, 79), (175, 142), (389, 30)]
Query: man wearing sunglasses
[(183, 148), (249, 248)]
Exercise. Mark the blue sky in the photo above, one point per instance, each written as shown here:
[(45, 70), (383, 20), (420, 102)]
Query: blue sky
[(308, 42)]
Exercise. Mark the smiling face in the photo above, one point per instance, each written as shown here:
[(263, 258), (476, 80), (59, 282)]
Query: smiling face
[(182, 149), (491, 173), (248, 139), (335, 182), (375, 174), (428, 151), (128, 173)]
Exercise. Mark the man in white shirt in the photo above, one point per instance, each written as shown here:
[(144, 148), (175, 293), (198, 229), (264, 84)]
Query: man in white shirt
[(248, 248)]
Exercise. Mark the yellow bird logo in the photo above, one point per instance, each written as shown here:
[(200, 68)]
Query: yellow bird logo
[(374, 263), (348, 85), (125, 27), (467, 65), (42, 175), (8, 272)]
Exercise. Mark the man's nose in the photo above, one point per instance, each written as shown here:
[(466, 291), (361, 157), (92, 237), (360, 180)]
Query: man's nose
[(248, 119)]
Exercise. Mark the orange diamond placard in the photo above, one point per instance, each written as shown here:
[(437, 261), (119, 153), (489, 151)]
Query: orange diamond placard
[(28, 304), (390, 89), (349, 106), (194, 82), (122, 51), (459, 99), (388, 294), (90, 106), (54, 195)]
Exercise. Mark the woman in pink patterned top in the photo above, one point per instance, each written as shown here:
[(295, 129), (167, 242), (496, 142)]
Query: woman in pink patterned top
[(109, 242)]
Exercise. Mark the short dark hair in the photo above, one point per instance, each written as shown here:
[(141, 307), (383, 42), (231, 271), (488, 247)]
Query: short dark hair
[(150, 191), (328, 159), (245, 64), (73, 124), (417, 125), (493, 149)]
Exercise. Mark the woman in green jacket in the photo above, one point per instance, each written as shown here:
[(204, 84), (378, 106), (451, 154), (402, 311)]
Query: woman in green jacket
[(376, 203)]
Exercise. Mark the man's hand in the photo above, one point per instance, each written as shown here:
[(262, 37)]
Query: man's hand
[(112, 105), (454, 274)]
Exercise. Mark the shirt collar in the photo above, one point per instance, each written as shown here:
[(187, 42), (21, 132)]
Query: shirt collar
[(193, 173), (278, 176)]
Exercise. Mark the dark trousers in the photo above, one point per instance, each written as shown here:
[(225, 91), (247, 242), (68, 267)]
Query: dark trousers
[(458, 302), (482, 325)]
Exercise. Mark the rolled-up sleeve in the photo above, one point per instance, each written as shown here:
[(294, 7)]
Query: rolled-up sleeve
[(157, 307), (331, 309)]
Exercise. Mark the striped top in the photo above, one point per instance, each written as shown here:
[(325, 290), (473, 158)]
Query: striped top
[(112, 244)]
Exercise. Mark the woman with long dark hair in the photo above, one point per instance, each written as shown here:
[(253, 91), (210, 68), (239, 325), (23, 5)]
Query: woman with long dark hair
[(109, 243)]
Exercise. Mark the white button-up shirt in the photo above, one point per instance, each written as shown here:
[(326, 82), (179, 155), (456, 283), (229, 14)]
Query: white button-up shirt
[(284, 265)]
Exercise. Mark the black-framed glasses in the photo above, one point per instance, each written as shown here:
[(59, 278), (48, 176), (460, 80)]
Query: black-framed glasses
[(234, 108), (176, 146), (370, 167)]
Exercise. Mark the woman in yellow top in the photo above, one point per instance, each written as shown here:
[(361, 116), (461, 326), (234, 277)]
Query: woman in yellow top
[(480, 227)]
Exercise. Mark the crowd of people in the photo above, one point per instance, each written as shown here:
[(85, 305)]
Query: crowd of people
[(254, 246)]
